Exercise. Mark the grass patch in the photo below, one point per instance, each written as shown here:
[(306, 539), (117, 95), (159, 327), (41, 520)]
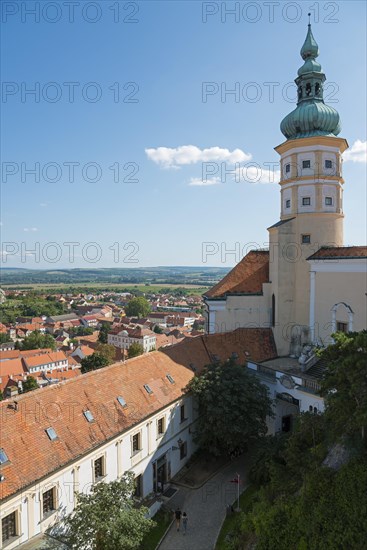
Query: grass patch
[(231, 522), (163, 519)]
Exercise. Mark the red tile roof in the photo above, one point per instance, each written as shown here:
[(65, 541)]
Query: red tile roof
[(44, 359), (32, 456), (247, 277), (339, 253)]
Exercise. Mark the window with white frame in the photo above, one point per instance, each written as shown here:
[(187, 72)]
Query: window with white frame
[(328, 201), (306, 164), (136, 443), (49, 501), (288, 203), (287, 168), (306, 201), (99, 469), (161, 426), (9, 526)]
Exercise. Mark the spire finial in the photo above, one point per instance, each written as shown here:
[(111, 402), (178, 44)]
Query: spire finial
[(310, 48), (309, 19)]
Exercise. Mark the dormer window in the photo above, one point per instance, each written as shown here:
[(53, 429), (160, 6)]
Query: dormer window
[(306, 164), (287, 168), (306, 201), (3, 457), (51, 434), (288, 203)]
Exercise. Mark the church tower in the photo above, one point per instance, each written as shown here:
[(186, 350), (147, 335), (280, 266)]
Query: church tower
[(311, 185)]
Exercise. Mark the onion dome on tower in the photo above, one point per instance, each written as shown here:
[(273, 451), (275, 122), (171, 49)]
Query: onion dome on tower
[(311, 117)]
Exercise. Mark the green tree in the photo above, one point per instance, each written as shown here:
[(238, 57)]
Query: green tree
[(37, 340), (107, 519), (345, 383), (134, 350), (93, 362), (233, 406), (107, 351), (30, 384), (158, 330), (137, 307), (103, 333), (1, 395), (4, 338)]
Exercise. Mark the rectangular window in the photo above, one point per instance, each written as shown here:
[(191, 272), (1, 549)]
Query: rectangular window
[(48, 501), (183, 450), (182, 413), (160, 426), (306, 201), (3, 457), (136, 443), (287, 168), (9, 526), (328, 201), (138, 485), (98, 468), (328, 164), (341, 327), (306, 239), (288, 203), (306, 164)]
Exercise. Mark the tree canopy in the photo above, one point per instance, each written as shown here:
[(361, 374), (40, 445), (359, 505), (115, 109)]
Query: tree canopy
[(137, 307), (37, 340), (134, 350), (4, 338), (106, 518), (93, 362), (232, 405), (108, 351), (345, 383), (30, 384), (103, 333)]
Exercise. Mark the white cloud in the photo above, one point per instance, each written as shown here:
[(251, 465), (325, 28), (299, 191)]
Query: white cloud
[(43, 204), (167, 157), (356, 153), (202, 182), (30, 229)]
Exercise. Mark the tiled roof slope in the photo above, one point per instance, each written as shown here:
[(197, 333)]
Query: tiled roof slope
[(256, 344), (32, 455), (339, 253), (247, 277)]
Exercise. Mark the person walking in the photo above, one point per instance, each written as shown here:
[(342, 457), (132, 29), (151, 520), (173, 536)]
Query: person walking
[(178, 514), (184, 522)]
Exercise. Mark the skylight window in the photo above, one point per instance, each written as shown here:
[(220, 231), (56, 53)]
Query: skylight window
[(148, 389), (89, 416), (170, 379), (51, 434), (122, 401), (3, 457)]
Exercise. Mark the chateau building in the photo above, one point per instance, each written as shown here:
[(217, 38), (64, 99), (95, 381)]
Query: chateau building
[(307, 285)]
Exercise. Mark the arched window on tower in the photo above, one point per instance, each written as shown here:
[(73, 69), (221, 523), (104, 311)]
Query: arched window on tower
[(317, 89), (300, 92), (308, 89)]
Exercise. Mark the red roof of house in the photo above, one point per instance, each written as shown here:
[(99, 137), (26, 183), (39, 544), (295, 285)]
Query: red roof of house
[(339, 253), (45, 359), (247, 277)]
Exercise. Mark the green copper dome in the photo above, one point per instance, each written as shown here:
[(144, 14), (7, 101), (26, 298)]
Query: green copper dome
[(311, 117)]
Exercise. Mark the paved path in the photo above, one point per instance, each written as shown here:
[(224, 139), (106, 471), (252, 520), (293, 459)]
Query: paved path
[(205, 508)]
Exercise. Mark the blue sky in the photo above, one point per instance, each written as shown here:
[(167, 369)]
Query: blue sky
[(159, 65)]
